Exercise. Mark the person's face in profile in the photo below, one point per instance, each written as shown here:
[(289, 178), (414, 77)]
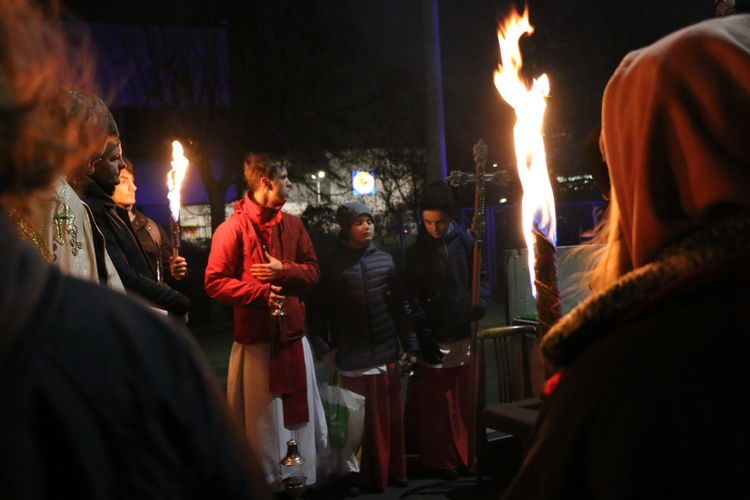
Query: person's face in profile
[(124, 194), (86, 151), (279, 188), (107, 167), (724, 8), (361, 231), (436, 222)]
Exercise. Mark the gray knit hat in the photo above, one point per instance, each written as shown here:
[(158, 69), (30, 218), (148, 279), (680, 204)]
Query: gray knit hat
[(348, 212)]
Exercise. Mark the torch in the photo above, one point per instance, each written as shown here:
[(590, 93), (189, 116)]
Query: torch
[(538, 206), (174, 183)]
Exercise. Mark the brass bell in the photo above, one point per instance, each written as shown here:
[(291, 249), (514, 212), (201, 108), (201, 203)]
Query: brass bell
[(292, 456)]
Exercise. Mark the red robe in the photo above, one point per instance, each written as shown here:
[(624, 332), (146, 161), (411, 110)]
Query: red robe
[(237, 244)]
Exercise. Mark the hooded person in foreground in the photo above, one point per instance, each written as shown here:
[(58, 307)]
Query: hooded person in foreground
[(648, 396)]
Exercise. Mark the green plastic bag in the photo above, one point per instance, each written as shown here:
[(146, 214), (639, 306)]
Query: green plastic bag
[(345, 415)]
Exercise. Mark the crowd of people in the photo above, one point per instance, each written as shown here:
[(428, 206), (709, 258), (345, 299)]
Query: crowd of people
[(361, 325), (105, 394)]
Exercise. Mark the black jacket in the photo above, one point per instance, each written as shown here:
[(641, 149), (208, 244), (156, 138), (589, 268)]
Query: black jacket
[(102, 398), (438, 280), (126, 253), (157, 251), (360, 308)]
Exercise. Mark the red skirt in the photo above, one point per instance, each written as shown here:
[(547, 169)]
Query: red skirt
[(437, 415), (383, 452)]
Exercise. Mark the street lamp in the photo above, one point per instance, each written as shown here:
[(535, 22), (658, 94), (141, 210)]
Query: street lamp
[(317, 178)]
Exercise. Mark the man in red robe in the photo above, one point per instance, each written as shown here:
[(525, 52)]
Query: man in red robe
[(261, 261)]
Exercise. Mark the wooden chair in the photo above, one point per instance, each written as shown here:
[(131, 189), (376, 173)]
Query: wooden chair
[(520, 377)]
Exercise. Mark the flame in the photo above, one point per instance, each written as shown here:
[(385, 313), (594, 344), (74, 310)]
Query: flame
[(538, 205), (175, 178)]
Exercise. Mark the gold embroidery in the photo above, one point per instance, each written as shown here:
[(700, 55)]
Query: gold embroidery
[(63, 220), (30, 234), (64, 225)]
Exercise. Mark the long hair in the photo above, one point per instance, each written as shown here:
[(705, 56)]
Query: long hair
[(612, 260)]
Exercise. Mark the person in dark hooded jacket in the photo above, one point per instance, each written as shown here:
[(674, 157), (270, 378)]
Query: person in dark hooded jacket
[(114, 223), (359, 324), (438, 277)]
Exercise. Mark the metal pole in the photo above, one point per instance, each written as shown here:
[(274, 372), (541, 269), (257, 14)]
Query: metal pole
[(475, 356), (477, 228), (436, 155)]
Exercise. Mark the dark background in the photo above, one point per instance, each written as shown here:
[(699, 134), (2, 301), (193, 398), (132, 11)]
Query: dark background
[(304, 77), (307, 76)]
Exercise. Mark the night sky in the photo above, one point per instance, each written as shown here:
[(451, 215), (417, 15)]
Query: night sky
[(578, 44)]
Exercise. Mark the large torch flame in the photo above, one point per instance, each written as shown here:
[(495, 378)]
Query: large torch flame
[(538, 205), (175, 178)]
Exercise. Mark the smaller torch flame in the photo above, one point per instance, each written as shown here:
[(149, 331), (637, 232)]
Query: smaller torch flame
[(175, 178), (538, 205)]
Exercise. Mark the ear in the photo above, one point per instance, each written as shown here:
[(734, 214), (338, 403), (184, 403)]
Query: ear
[(266, 183)]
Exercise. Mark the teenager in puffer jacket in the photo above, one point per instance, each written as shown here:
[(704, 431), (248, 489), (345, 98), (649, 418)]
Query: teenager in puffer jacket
[(359, 326)]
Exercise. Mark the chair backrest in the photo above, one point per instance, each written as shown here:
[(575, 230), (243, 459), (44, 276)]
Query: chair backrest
[(512, 360)]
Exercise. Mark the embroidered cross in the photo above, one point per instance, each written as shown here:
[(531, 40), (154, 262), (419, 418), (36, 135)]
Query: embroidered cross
[(63, 219)]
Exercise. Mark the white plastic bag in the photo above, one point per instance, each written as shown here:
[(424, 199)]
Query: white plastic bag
[(345, 415)]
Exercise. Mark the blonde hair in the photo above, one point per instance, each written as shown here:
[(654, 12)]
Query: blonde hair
[(612, 260), (36, 63)]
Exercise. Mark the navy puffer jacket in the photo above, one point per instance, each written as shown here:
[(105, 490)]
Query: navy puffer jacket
[(360, 308)]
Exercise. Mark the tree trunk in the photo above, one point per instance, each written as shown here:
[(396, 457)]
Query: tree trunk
[(215, 189), (216, 200)]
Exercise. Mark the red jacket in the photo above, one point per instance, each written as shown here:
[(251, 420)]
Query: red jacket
[(237, 244)]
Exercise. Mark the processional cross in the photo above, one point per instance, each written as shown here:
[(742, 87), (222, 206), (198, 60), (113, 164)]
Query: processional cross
[(478, 225)]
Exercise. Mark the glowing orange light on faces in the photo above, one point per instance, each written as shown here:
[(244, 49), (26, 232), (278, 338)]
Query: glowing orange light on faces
[(175, 178), (529, 103)]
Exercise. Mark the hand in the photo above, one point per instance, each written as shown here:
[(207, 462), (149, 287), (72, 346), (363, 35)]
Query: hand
[(275, 299), (329, 360), (178, 267), (267, 271), (430, 351), (406, 364), (476, 312)]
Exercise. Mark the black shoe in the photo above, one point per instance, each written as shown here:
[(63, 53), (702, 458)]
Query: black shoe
[(352, 491), (467, 471), (401, 482), (447, 474)]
